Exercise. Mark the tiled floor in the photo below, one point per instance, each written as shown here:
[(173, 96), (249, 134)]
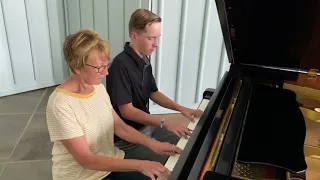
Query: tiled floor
[(25, 148)]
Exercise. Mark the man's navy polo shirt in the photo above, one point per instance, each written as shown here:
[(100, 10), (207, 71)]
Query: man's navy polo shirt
[(130, 79)]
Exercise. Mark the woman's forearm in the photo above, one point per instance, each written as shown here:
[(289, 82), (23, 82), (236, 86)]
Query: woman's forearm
[(103, 163)]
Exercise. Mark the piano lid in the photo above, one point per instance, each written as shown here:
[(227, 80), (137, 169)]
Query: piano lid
[(280, 33)]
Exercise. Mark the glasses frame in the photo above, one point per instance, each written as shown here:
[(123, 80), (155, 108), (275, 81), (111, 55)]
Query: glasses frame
[(99, 67)]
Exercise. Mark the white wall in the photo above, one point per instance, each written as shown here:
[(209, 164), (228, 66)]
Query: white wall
[(109, 18), (30, 43), (190, 57)]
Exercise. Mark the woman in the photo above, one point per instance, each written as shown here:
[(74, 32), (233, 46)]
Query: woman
[(82, 122)]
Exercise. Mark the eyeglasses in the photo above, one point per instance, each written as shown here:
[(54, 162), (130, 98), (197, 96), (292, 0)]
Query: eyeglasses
[(99, 68)]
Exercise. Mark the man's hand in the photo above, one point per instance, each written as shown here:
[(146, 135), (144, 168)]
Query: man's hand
[(177, 128), (164, 148), (190, 113)]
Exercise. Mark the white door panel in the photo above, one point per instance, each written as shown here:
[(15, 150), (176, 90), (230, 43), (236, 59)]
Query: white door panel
[(190, 58), (27, 60)]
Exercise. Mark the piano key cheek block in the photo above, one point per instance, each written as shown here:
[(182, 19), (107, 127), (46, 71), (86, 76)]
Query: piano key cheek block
[(262, 121)]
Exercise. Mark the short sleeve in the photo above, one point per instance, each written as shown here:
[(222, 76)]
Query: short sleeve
[(62, 123), (120, 87), (154, 87)]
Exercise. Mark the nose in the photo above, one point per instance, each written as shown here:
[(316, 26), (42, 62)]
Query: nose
[(155, 43), (105, 72)]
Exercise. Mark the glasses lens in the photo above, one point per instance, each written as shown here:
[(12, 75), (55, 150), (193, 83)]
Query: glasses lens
[(102, 68)]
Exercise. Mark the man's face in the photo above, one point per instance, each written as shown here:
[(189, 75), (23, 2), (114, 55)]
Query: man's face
[(147, 41)]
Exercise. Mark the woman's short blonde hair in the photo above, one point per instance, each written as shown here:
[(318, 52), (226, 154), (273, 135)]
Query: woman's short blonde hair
[(78, 46)]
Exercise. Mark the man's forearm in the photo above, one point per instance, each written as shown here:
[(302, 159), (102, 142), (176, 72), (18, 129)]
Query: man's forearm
[(141, 117), (164, 101), (133, 136)]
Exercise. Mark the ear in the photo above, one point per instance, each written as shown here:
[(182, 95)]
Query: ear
[(133, 35), (76, 71)]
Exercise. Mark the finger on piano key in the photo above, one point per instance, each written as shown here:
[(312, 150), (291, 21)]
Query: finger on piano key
[(172, 160), (202, 107), (192, 125)]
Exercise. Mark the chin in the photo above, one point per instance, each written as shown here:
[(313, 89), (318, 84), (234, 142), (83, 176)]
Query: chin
[(148, 53), (151, 51), (97, 82)]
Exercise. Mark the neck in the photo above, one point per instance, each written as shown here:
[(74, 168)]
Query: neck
[(79, 85), (134, 47)]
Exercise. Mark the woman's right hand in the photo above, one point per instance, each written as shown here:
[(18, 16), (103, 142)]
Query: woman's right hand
[(152, 169)]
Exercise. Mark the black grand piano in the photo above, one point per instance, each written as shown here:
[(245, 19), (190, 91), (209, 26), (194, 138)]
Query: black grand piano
[(263, 119)]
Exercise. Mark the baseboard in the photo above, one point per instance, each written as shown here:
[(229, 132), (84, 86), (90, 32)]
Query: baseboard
[(26, 89)]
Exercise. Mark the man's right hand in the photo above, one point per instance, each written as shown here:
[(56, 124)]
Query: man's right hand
[(152, 169), (178, 129)]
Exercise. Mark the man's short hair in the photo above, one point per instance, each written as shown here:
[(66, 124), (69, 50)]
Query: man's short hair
[(140, 18), (77, 47)]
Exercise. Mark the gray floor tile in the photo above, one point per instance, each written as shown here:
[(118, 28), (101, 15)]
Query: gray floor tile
[(20, 103), (43, 105), (37, 170), (11, 127), (35, 143), (1, 167)]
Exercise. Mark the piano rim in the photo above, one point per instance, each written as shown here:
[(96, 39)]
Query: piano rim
[(184, 164), (214, 129)]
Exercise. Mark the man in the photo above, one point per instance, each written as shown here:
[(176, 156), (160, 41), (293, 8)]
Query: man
[(131, 84)]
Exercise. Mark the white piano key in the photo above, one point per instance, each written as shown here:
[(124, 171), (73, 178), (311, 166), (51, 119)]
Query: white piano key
[(182, 143), (203, 104), (172, 160), (202, 107), (192, 125)]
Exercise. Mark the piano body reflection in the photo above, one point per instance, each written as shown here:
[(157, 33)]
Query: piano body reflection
[(263, 119)]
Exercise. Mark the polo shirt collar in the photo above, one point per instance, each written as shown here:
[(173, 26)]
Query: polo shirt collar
[(135, 57)]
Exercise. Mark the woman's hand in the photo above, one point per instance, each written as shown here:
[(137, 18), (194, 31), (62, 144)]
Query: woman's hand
[(164, 148), (152, 169)]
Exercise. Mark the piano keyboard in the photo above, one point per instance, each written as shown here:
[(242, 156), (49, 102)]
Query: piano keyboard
[(172, 160)]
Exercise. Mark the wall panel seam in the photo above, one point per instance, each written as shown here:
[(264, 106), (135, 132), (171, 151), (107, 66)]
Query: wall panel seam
[(108, 25), (184, 7), (159, 52), (203, 48), (66, 16), (8, 44), (50, 44), (33, 58), (93, 16), (124, 20), (80, 14)]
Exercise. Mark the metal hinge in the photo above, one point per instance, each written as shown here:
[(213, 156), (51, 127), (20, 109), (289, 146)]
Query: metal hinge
[(312, 74)]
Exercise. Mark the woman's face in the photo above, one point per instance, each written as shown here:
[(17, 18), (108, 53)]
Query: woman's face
[(96, 68)]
